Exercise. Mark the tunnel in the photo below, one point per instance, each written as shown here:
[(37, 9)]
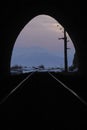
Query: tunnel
[(14, 16)]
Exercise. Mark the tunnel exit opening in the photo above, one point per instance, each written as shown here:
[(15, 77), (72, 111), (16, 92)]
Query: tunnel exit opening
[(43, 45)]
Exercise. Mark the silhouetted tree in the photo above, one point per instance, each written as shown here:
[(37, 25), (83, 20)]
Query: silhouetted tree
[(41, 66), (15, 67), (74, 63)]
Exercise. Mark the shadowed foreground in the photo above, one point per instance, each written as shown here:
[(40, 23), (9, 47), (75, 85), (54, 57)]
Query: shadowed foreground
[(42, 98)]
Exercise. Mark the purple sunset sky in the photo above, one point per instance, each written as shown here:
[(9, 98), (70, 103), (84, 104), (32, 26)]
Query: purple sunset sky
[(38, 44)]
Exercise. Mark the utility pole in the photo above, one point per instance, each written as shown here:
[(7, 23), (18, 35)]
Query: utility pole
[(65, 51)]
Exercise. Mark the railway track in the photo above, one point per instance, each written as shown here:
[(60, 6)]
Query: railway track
[(16, 88), (52, 76), (42, 96)]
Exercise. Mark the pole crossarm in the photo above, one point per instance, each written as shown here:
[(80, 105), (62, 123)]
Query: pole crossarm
[(61, 38)]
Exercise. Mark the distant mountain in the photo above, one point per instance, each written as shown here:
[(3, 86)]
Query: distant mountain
[(35, 56)]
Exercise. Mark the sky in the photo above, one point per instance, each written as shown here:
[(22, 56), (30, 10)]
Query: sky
[(38, 44)]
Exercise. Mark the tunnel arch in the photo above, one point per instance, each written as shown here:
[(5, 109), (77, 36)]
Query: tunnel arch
[(56, 29), (24, 13), (58, 19)]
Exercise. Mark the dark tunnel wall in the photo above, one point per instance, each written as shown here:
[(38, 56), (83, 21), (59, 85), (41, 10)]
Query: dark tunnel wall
[(14, 16)]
